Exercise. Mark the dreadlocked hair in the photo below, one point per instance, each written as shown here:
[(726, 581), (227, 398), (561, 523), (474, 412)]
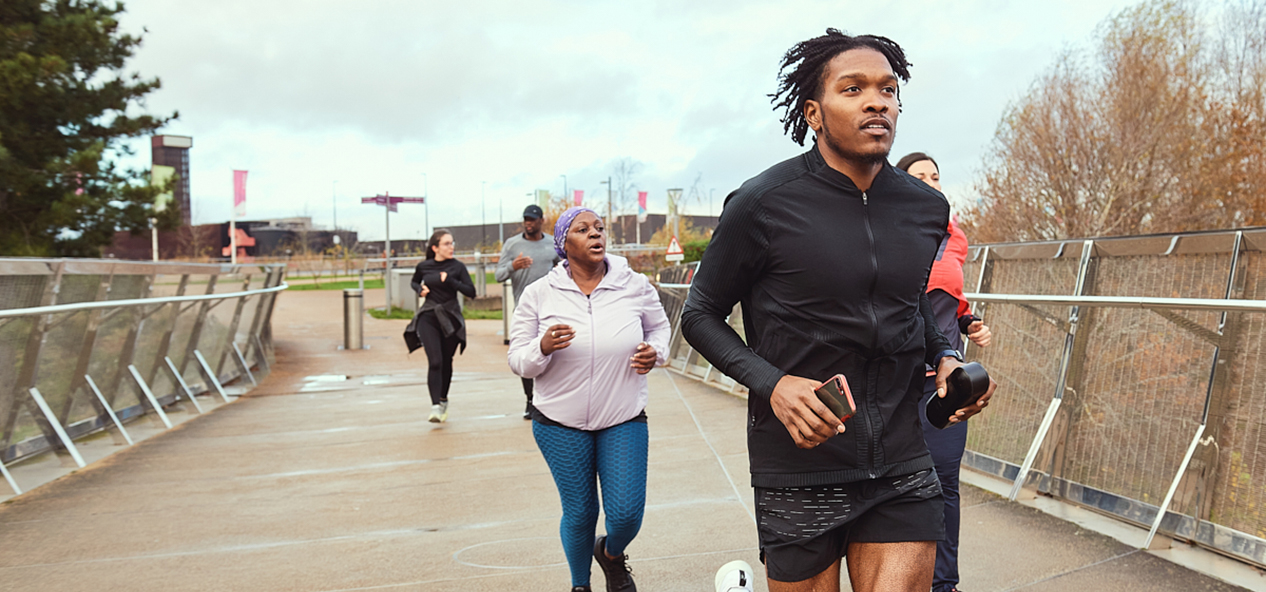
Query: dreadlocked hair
[(804, 67)]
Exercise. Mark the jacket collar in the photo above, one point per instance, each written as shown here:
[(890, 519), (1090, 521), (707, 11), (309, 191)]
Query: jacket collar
[(617, 277), (818, 165)]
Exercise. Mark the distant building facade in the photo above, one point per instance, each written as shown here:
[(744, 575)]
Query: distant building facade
[(282, 237), (468, 237), (173, 151)]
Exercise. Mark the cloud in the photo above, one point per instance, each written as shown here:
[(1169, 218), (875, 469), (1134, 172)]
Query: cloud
[(492, 99)]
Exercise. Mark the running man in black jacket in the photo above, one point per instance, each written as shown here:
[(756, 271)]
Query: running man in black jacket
[(829, 253)]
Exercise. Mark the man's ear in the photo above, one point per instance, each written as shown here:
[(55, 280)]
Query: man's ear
[(813, 115)]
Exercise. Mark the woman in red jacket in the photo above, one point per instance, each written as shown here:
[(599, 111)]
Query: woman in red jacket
[(954, 317)]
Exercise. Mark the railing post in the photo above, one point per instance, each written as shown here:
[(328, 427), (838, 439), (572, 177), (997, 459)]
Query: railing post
[(231, 337), (984, 279), (1066, 361), (266, 326), (252, 336), (128, 353), (195, 334), (1217, 378), (86, 343), (164, 344), (30, 367)]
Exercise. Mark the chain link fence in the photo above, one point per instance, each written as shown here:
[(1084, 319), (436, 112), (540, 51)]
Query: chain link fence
[(1130, 372)]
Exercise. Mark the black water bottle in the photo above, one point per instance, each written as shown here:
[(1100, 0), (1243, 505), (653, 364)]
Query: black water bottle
[(965, 385)]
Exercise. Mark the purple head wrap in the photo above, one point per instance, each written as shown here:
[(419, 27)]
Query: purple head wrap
[(563, 225)]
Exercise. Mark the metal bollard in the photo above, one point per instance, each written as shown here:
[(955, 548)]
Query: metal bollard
[(507, 309), (481, 276), (353, 318)]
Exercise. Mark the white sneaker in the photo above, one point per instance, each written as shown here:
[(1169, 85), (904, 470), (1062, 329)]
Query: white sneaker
[(436, 410), (443, 410), (735, 576)]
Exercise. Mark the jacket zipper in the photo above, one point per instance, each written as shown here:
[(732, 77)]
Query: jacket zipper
[(593, 360), (874, 266), (871, 407)]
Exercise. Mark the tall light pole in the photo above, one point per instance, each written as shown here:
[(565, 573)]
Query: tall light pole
[(426, 205), (608, 218), (710, 192), (483, 216), (531, 195), (565, 196)]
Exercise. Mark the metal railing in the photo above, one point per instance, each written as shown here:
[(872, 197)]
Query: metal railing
[(1131, 373), (92, 344)]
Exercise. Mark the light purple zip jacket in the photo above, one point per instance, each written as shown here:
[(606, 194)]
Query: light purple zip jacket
[(589, 385)]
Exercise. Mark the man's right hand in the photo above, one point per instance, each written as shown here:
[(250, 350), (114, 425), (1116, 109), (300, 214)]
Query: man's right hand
[(521, 262), (806, 418)]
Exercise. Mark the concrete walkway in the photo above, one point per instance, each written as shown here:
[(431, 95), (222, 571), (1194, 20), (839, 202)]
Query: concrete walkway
[(318, 482)]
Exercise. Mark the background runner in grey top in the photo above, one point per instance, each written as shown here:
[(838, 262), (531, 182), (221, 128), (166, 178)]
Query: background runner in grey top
[(543, 259)]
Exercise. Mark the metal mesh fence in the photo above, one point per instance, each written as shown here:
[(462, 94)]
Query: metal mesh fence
[(1236, 496), (55, 351), (1024, 356), (1137, 405), (1136, 381)]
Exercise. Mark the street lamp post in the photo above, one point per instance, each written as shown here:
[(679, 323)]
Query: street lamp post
[(608, 220), (426, 207), (483, 214), (565, 196)]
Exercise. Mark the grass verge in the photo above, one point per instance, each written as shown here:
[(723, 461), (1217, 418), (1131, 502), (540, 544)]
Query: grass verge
[(369, 285), (406, 314)]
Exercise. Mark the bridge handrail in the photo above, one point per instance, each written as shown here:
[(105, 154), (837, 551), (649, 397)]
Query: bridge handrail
[(1144, 302), (59, 308)]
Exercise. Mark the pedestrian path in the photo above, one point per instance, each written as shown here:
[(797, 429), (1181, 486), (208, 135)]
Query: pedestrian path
[(328, 477)]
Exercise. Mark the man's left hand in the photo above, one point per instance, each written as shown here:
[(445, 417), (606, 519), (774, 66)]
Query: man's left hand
[(948, 364)]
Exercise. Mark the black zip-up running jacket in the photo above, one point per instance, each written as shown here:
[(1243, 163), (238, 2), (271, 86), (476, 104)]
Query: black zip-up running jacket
[(832, 282)]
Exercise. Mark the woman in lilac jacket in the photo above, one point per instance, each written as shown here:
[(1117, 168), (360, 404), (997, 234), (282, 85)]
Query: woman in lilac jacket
[(588, 333)]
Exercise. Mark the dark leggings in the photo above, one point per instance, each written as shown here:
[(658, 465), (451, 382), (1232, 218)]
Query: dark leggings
[(947, 448), (439, 356)]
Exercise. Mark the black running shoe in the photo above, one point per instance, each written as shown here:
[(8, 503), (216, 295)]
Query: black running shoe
[(619, 574), (581, 589), (527, 411)]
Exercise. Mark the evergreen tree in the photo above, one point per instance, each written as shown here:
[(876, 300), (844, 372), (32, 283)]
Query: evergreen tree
[(64, 101)]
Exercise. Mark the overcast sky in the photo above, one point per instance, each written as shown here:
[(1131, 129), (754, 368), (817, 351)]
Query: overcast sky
[(451, 98)]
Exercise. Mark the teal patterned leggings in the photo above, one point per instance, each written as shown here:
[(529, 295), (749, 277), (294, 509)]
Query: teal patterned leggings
[(616, 457)]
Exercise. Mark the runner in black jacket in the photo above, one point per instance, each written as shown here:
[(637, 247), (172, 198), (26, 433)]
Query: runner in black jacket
[(829, 253)]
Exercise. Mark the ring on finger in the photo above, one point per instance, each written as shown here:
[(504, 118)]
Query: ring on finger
[(553, 333)]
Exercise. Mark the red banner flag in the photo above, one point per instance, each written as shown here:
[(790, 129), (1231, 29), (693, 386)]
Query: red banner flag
[(579, 196), (239, 193)]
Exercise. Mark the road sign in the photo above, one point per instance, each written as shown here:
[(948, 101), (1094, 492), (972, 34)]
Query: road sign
[(674, 251), (390, 202)]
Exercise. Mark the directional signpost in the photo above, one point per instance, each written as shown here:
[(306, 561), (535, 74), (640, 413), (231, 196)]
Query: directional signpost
[(390, 203), (674, 254)]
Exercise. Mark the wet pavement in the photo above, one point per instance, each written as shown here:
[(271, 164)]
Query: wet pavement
[(328, 477)]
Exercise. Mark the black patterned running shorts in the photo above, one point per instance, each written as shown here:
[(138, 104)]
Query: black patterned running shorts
[(803, 530)]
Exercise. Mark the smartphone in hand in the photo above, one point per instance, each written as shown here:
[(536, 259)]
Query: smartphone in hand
[(834, 393)]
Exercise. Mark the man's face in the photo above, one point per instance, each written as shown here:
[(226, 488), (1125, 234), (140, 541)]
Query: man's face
[(856, 116), (531, 226)]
